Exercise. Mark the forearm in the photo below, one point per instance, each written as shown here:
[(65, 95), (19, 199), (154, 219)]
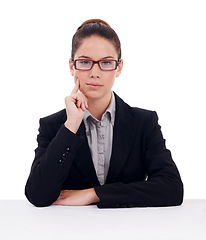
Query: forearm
[(50, 168), (93, 198), (156, 192), (77, 197)]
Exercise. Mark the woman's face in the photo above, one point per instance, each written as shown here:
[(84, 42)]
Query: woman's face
[(96, 83)]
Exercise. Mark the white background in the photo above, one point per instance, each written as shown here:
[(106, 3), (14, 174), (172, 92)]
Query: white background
[(164, 52)]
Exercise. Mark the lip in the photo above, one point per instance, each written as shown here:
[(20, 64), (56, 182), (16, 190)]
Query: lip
[(94, 85)]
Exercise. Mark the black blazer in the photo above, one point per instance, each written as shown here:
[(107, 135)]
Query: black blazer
[(141, 173)]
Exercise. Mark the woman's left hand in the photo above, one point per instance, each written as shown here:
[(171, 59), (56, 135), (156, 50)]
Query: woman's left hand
[(77, 197)]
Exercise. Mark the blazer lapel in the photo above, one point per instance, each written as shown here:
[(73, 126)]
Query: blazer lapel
[(83, 160), (123, 135)]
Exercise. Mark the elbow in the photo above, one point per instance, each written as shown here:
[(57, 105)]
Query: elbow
[(178, 194), (37, 200)]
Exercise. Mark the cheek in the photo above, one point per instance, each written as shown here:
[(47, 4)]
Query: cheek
[(81, 75), (110, 77)]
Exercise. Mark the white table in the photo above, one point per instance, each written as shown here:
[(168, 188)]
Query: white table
[(21, 220)]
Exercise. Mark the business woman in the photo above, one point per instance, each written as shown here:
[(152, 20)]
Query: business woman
[(99, 150)]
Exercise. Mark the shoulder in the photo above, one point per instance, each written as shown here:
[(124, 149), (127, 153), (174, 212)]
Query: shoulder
[(135, 112), (144, 113), (53, 121), (57, 116)]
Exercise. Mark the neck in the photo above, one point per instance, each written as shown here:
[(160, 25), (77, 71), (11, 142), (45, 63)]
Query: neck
[(97, 107)]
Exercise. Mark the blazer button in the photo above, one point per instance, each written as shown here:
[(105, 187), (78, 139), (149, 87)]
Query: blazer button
[(61, 162), (64, 155), (67, 150)]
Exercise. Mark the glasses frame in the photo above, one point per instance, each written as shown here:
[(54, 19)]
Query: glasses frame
[(96, 62)]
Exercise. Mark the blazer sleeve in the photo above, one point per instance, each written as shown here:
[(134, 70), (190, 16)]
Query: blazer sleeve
[(163, 186), (53, 159)]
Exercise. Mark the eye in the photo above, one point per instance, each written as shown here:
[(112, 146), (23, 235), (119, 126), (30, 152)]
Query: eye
[(106, 62), (84, 62)]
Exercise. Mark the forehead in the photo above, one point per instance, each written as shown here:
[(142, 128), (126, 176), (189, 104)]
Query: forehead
[(96, 47)]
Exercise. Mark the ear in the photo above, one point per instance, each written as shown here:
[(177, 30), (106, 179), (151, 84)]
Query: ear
[(71, 66), (119, 68)]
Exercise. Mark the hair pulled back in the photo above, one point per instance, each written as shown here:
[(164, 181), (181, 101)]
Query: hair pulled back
[(95, 27)]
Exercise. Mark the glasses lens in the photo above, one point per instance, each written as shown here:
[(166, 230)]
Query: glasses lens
[(83, 64), (108, 65)]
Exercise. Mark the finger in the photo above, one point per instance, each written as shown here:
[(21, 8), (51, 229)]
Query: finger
[(79, 101), (86, 102), (62, 197), (76, 87), (64, 193), (59, 202), (83, 103)]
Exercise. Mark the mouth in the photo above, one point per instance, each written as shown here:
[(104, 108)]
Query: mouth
[(94, 85)]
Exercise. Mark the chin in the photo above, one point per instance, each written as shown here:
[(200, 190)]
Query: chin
[(93, 95)]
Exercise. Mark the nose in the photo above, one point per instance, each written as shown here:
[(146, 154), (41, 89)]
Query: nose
[(95, 72)]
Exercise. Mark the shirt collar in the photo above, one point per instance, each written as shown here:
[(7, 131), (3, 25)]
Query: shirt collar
[(110, 111)]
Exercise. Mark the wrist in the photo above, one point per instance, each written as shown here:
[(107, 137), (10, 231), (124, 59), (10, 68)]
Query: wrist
[(93, 196), (71, 126)]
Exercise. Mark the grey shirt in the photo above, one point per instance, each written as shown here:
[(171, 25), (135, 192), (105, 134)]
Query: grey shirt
[(100, 136)]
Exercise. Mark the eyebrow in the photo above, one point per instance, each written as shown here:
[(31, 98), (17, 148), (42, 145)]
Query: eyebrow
[(91, 58)]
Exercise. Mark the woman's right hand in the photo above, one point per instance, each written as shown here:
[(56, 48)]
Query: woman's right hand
[(76, 104)]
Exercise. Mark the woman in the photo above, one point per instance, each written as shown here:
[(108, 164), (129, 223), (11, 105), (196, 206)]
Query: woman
[(100, 150)]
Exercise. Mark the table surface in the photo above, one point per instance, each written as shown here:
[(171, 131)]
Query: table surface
[(21, 220)]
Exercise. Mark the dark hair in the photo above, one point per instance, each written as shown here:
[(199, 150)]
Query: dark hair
[(95, 27)]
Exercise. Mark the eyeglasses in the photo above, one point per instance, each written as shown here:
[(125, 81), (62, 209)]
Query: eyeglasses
[(104, 65)]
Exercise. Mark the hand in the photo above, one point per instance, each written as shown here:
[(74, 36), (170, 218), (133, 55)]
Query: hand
[(77, 197), (76, 104)]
